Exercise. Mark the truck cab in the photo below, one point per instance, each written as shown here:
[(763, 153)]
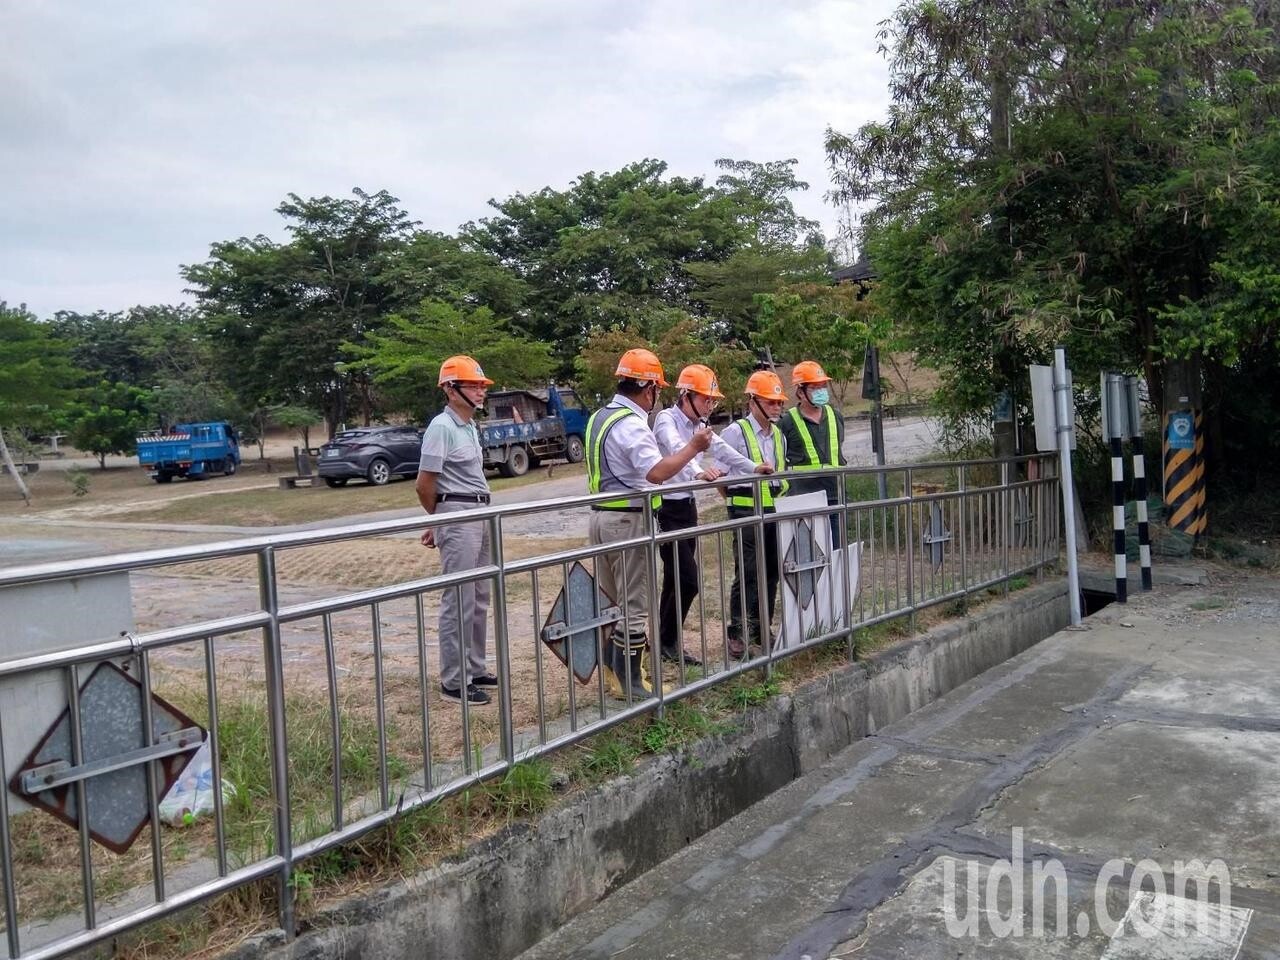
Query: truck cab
[(191, 450), (524, 427)]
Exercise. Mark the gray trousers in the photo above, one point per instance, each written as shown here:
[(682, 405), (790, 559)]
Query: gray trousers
[(463, 546), (629, 589)]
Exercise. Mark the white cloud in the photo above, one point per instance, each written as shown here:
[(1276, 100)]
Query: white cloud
[(139, 133)]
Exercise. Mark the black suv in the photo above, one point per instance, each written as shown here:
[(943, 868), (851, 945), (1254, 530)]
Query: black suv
[(375, 453)]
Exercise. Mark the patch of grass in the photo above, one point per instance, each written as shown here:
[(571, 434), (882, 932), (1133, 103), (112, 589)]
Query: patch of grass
[(683, 723), (1209, 603), (610, 755), (1018, 583), (525, 789)]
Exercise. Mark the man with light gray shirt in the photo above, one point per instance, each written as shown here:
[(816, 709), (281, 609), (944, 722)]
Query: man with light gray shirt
[(673, 428), (451, 480)]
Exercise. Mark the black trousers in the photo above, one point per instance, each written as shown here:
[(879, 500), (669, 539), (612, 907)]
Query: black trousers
[(746, 582), (679, 565)]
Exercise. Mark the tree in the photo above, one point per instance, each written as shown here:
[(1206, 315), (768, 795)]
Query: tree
[(1099, 174), (608, 248), (779, 247), (830, 324), (279, 314), (35, 377), (678, 339), (404, 359), (107, 420)]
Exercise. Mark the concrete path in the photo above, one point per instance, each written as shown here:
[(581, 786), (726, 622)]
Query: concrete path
[(1127, 750)]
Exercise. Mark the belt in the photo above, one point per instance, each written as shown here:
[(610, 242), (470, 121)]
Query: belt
[(462, 497), (619, 509)]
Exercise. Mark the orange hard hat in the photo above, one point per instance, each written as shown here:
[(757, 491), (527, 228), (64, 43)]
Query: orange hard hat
[(699, 378), (766, 385), (808, 371), (640, 364), (462, 368)]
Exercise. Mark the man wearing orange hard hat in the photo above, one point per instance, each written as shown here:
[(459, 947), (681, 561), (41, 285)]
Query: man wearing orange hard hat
[(623, 459), (814, 433), (757, 437), (451, 480), (699, 395)]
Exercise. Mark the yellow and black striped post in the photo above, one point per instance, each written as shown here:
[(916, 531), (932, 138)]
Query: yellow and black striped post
[(1184, 492)]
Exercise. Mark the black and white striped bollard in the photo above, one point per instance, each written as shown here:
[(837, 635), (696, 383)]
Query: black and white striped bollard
[(1144, 529), (1117, 516)]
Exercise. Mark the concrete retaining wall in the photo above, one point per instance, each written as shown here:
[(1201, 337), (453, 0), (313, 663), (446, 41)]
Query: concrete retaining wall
[(511, 890)]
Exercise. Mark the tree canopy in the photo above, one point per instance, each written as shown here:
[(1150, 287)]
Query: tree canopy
[(1090, 172)]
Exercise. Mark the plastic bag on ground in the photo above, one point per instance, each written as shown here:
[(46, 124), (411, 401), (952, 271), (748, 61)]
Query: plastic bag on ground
[(191, 796)]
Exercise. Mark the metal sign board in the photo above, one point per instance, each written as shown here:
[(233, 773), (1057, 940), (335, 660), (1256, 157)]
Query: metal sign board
[(870, 375), (1133, 406), (803, 562), (1042, 407), (1182, 430), (1002, 411), (113, 758), (1115, 408), (580, 611)]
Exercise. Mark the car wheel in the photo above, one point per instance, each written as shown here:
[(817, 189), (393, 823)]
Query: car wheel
[(574, 451), (379, 472), (229, 467), (163, 478), (335, 481), (518, 462)]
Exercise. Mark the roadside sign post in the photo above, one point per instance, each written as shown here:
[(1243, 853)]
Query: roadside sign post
[(871, 390), (1055, 422)]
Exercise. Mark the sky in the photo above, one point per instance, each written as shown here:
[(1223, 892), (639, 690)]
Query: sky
[(134, 134)]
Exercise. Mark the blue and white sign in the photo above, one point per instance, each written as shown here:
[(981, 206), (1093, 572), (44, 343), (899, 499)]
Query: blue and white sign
[(1182, 430)]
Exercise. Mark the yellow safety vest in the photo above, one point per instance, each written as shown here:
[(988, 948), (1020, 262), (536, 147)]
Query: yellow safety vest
[(810, 451), (595, 447), (753, 451)]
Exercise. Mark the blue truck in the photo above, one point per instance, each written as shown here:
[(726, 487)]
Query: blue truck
[(191, 450), (524, 427)]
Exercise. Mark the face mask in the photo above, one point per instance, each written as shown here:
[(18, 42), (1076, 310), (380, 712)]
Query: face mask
[(820, 396)]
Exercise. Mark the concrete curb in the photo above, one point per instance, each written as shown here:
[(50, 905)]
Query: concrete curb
[(512, 889)]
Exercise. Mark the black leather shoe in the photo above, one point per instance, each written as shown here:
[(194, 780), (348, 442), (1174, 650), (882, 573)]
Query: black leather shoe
[(672, 656)]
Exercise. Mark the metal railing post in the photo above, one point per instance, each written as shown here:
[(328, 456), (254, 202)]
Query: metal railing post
[(273, 664), (911, 548), (501, 641)]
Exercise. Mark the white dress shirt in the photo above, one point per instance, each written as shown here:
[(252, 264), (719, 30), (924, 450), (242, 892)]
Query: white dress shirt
[(764, 437), (673, 430), (629, 450)]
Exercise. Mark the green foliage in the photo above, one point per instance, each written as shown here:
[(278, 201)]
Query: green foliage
[(614, 248), (78, 478), (36, 373), (831, 324), (107, 419), (279, 314), (404, 359), (677, 338), (1103, 176)]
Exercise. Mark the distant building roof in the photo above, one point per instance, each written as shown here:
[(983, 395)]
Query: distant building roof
[(860, 272)]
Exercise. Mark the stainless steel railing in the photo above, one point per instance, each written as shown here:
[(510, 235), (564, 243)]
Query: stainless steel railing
[(951, 530)]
